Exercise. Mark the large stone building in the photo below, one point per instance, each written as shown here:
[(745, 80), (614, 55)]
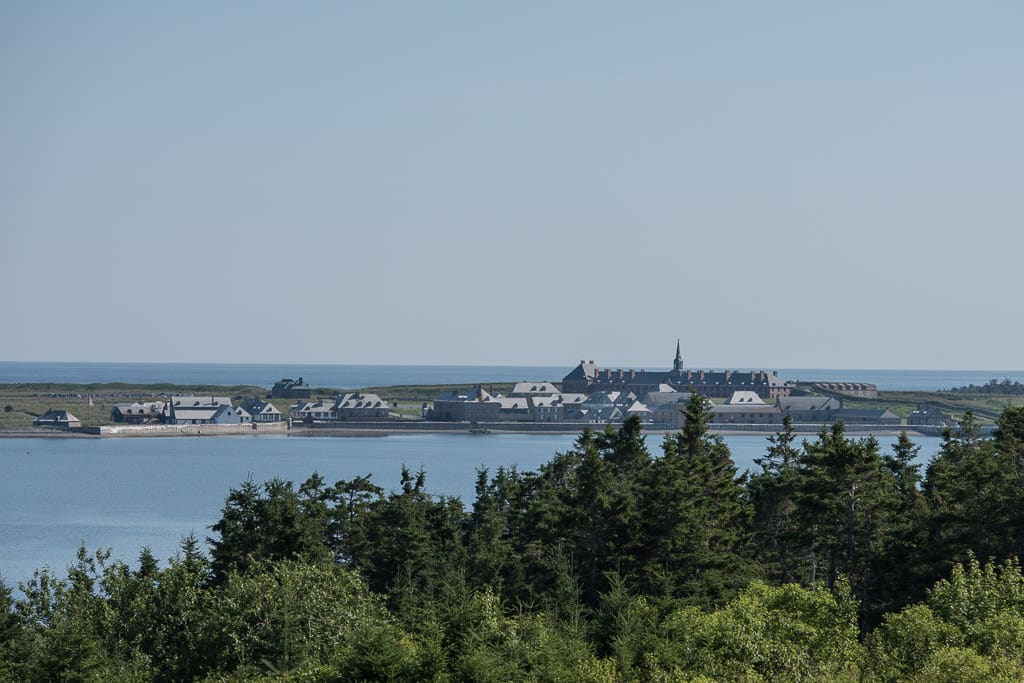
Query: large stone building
[(587, 377), (137, 412), (291, 388), (352, 406)]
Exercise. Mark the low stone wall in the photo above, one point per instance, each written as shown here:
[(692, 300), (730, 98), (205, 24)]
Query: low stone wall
[(188, 430), (429, 426), (398, 426)]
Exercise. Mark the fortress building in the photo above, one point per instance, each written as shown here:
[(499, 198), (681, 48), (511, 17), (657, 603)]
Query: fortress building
[(586, 378)]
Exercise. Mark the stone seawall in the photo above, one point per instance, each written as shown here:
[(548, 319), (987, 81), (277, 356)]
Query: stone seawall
[(187, 430)]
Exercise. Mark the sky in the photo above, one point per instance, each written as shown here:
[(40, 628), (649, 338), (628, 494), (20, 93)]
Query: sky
[(777, 185)]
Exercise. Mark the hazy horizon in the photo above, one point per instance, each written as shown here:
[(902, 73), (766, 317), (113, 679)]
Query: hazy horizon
[(793, 185)]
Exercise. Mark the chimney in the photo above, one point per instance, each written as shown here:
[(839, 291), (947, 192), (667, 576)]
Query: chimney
[(608, 374), (632, 374), (591, 362), (620, 374), (728, 374), (689, 376), (702, 377), (752, 373)]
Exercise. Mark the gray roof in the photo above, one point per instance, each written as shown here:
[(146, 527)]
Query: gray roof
[(359, 400), (196, 401), (257, 406), (808, 403), (659, 398), (56, 416), (533, 388), (583, 371), (478, 394)]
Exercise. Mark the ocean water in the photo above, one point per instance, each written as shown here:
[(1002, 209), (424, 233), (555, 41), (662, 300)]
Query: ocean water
[(230, 374), (124, 494), (360, 376)]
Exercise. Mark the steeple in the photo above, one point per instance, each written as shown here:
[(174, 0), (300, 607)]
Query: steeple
[(677, 364)]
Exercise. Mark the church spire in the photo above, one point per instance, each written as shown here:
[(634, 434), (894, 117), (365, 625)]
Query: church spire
[(677, 364)]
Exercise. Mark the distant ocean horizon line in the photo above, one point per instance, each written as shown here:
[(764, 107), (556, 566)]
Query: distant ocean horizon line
[(694, 366)]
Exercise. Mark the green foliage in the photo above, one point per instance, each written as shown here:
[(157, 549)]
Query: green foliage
[(695, 517), (847, 508), (766, 634), (972, 624), (287, 614), (772, 495), (273, 523), (974, 492)]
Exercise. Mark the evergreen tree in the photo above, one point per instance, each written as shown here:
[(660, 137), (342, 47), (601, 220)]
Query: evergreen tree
[(772, 495), (846, 508), (1009, 446), (628, 461), (350, 507), (272, 524), (902, 574), (970, 489), (414, 545), (495, 534), (696, 520)]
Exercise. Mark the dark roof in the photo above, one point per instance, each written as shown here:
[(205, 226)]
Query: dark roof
[(56, 416), (582, 371), (808, 403)]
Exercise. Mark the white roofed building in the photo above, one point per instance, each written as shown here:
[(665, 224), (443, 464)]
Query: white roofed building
[(534, 389)]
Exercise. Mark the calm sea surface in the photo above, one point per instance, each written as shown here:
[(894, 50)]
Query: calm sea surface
[(360, 376), (128, 493)]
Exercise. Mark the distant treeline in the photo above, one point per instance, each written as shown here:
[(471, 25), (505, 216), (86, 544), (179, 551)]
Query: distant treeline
[(835, 561), (1005, 387)]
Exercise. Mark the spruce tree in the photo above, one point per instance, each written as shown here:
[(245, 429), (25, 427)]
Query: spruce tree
[(696, 527), (772, 495)]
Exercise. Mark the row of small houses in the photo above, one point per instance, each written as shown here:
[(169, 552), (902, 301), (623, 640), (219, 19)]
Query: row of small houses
[(197, 410), (214, 410)]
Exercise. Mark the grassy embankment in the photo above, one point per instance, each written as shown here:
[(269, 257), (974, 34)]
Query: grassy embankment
[(986, 407), (22, 403)]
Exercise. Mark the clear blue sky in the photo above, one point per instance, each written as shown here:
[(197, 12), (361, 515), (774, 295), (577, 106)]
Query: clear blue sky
[(795, 184)]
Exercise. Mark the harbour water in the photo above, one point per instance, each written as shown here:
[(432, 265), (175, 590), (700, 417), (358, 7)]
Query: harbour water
[(124, 494)]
